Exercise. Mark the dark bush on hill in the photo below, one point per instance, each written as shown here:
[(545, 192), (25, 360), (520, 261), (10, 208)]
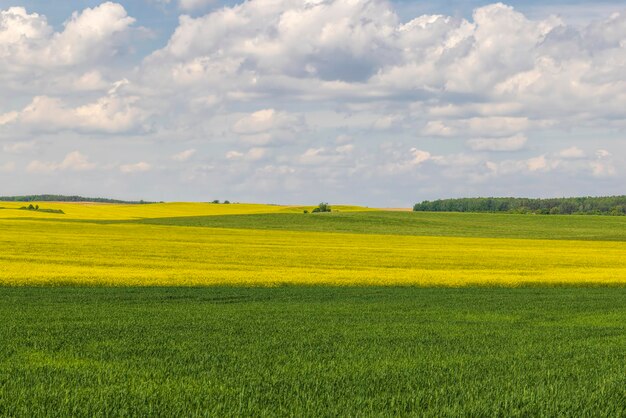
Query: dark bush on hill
[(322, 207)]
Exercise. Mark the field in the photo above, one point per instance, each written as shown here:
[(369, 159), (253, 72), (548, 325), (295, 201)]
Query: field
[(312, 351), (213, 310), (224, 247)]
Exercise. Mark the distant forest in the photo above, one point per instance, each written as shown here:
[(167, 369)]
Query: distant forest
[(62, 198), (611, 205)]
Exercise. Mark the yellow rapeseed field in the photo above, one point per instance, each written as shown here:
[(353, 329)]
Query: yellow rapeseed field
[(99, 211), (49, 252)]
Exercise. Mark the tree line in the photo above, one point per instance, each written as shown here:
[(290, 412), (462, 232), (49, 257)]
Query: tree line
[(609, 205), (63, 198)]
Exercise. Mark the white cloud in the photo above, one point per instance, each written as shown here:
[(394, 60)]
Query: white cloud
[(324, 157), (7, 167), (256, 153), (572, 162), (136, 167), (89, 34), (314, 88), (18, 26), (331, 40), (602, 169), (343, 49), (268, 126), (257, 122), (603, 166), (27, 39), (439, 128), (109, 114), (233, 155), (572, 153), (388, 122), (343, 139), (91, 80), (253, 154), (496, 126), (511, 143), (267, 120), (8, 117), (602, 153), (345, 149), (74, 161), (419, 156), (184, 155), (537, 163), (19, 147)]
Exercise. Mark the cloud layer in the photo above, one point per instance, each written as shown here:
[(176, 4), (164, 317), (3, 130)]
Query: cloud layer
[(291, 100)]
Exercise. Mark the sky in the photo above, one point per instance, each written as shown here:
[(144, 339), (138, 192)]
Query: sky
[(371, 102)]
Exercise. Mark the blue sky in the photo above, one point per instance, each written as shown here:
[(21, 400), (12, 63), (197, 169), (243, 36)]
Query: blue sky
[(349, 101)]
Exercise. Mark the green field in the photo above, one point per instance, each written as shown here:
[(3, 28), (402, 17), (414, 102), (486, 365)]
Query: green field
[(221, 310), (312, 351), (475, 225)]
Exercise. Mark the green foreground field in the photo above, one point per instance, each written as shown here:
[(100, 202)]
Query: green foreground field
[(312, 351)]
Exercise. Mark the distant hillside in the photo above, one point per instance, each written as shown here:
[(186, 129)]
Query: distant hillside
[(611, 205), (62, 198)]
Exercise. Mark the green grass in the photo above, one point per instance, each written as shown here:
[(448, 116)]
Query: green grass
[(486, 225), (312, 351)]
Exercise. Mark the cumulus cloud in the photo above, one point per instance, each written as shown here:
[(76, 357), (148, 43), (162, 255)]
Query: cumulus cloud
[(602, 153), (109, 114), (572, 153), (314, 88), (139, 167), (511, 143), (338, 40), (322, 156), (20, 26), (496, 126), (74, 161), (253, 154), (345, 149), (419, 156), (8, 117), (184, 155), (7, 167), (19, 147), (346, 50), (26, 39), (570, 161), (267, 126)]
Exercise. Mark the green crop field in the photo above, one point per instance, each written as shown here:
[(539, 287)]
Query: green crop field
[(221, 310), (475, 225), (312, 351)]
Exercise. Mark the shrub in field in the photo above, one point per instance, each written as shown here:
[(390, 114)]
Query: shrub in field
[(322, 207), (36, 208)]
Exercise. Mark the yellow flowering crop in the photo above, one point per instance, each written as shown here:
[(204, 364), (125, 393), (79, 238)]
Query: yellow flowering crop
[(46, 252), (99, 211)]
